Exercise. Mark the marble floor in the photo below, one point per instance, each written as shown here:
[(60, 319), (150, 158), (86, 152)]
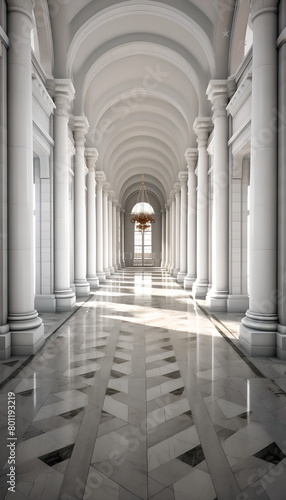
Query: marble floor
[(141, 394)]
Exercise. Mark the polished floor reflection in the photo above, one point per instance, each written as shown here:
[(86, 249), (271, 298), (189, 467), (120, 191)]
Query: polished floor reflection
[(139, 396)]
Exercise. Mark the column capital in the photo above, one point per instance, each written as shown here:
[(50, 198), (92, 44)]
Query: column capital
[(100, 177), (91, 156), (163, 211), (118, 206), (202, 127), (172, 196), (106, 187), (167, 205), (79, 126), (260, 6), (63, 92), (23, 6), (183, 177), (111, 194), (177, 188), (217, 93), (191, 156)]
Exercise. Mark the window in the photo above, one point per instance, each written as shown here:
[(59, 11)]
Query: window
[(143, 247)]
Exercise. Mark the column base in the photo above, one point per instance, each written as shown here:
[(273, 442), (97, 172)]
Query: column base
[(217, 301), (101, 276), (27, 342), (200, 290), (171, 270), (181, 276), (65, 300), (111, 270), (27, 333), (176, 272), (5, 342), (118, 267), (237, 303), (188, 282), (107, 272), (93, 282), (115, 268), (45, 303), (257, 343), (82, 289), (258, 334), (281, 342)]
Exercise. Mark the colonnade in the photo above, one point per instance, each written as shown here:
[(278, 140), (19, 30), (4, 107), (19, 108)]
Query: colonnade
[(205, 240)]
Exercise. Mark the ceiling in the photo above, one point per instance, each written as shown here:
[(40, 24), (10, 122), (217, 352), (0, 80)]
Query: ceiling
[(140, 69)]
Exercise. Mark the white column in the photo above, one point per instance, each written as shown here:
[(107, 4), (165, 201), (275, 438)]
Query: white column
[(91, 155), (177, 228), (167, 238), (217, 296), (118, 235), (5, 335), (80, 128), (100, 178), (259, 326), (163, 238), (114, 236), (202, 127), (183, 177), (173, 231), (106, 269), (281, 337), (122, 225), (110, 231), (191, 157), (27, 330), (65, 297)]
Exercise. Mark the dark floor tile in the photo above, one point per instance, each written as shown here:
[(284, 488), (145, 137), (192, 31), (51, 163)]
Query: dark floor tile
[(57, 456), (193, 457), (271, 453)]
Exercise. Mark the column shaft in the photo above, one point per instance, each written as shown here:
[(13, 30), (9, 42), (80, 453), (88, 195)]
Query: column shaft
[(100, 177), (177, 229), (110, 234), (173, 231), (202, 127), (118, 235), (80, 127), (106, 269), (114, 236), (183, 177), (167, 248), (217, 297), (91, 155), (163, 260), (191, 157)]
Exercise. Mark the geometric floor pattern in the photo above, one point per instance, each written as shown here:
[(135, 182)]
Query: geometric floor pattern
[(138, 396)]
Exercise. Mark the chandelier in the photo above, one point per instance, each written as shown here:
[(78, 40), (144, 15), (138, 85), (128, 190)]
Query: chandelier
[(142, 213)]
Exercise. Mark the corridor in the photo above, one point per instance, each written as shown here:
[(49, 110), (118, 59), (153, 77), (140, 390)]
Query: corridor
[(139, 396)]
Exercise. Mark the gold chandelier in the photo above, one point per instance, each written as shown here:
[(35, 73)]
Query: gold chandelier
[(142, 213)]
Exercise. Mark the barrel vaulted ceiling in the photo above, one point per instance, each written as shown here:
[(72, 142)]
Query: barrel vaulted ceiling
[(140, 69)]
